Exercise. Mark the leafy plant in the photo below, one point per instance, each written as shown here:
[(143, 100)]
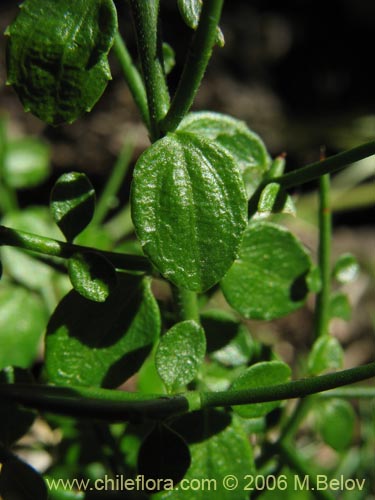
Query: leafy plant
[(203, 201)]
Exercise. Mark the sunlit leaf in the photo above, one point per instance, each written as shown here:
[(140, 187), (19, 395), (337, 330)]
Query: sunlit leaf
[(346, 268)]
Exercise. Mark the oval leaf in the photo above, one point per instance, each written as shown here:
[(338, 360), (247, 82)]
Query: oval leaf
[(261, 374), (339, 306), (273, 199), (72, 203), (326, 354), (163, 455), (346, 268), (189, 209), (92, 276), (57, 56), (336, 419), (102, 344), (190, 11), (19, 481), (269, 278), (180, 353), (246, 147)]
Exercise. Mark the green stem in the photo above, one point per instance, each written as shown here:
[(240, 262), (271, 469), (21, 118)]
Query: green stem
[(324, 258), (145, 15), (187, 304), (293, 422), (132, 77), (350, 392), (8, 197), (112, 405), (195, 64), (55, 248), (115, 180)]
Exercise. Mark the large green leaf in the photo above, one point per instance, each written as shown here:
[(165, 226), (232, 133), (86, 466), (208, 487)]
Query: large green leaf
[(244, 145), (220, 450), (180, 353), (189, 209), (57, 56), (261, 374), (269, 278), (102, 344)]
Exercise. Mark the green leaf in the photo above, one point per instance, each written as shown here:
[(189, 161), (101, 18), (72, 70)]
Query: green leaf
[(169, 58), (72, 203), (190, 11), (102, 344), (346, 268), (148, 379), (189, 209), (57, 56), (273, 200), (163, 455), (268, 280), (336, 419), (92, 276), (326, 354), (245, 146), (219, 447), (180, 353), (26, 163), (23, 318), (19, 481), (339, 306), (261, 374), (15, 421)]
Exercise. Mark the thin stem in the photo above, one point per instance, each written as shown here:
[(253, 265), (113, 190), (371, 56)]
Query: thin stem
[(350, 392), (294, 421), (115, 180), (132, 77), (8, 197), (195, 64), (187, 304), (145, 15), (324, 258), (55, 248)]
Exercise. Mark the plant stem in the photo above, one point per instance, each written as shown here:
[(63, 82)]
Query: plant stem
[(294, 421), (114, 182), (8, 197), (55, 248), (195, 64), (145, 16), (132, 77), (350, 392), (187, 304), (115, 405), (324, 258)]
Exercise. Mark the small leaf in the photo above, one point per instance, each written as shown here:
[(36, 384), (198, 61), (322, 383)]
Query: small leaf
[(190, 11), (163, 455), (336, 419), (189, 209), (346, 268), (19, 481), (57, 56), (268, 280), (26, 163), (326, 354), (245, 147), (314, 279), (180, 353), (72, 203), (339, 306), (102, 344), (168, 58), (15, 420), (92, 276), (273, 200), (261, 374)]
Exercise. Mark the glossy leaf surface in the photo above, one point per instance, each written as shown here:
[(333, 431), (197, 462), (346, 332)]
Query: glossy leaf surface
[(268, 280), (102, 344), (261, 374), (189, 209), (57, 56), (180, 353), (346, 268), (72, 203)]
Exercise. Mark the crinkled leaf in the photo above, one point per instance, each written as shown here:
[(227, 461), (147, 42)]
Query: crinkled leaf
[(336, 419), (26, 163), (219, 447), (19, 481), (190, 12), (102, 344), (15, 420), (57, 56), (163, 455), (23, 318), (339, 306), (346, 268), (189, 209), (274, 199), (180, 353), (92, 276), (326, 354), (168, 58), (72, 203), (245, 146), (261, 374), (268, 280)]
